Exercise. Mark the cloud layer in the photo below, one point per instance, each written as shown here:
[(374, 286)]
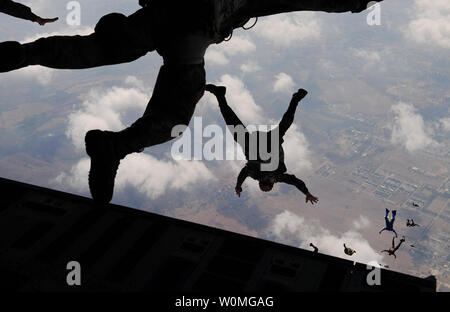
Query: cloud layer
[(289, 29), (150, 176), (283, 83), (289, 228), (409, 129), (432, 23), (237, 46), (144, 173), (104, 109)]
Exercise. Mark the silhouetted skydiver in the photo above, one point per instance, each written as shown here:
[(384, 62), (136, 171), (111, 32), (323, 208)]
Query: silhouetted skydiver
[(389, 222), (349, 251), (22, 11), (316, 250), (253, 168), (410, 223), (391, 251), (180, 31), (415, 205)]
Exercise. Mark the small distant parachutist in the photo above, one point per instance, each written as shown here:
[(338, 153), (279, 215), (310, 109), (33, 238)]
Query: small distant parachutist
[(316, 250), (410, 223), (349, 251)]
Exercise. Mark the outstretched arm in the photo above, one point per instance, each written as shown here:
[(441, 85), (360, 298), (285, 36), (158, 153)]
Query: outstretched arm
[(241, 178), (300, 185), (293, 180), (22, 11)]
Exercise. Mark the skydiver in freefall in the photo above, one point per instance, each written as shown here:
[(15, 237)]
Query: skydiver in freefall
[(410, 223), (349, 251), (254, 166), (180, 31), (316, 250), (22, 11), (391, 251), (389, 222)]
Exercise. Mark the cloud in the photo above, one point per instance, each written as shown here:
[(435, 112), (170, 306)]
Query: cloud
[(361, 223), (367, 56), (154, 177), (283, 83), (250, 67), (38, 74), (297, 153), (148, 175), (239, 98), (237, 46), (289, 29), (77, 178), (432, 23), (445, 122), (409, 129), (105, 109), (216, 57), (289, 228)]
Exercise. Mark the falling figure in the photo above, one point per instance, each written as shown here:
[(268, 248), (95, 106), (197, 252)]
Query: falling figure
[(316, 250), (391, 251), (349, 251), (410, 223), (389, 222), (253, 168), (180, 31)]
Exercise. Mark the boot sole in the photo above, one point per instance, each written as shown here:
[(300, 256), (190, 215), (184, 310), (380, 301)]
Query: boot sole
[(101, 183)]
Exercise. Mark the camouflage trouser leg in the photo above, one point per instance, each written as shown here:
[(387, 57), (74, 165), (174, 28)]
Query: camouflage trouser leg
[(177, 91), (117, 39)]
